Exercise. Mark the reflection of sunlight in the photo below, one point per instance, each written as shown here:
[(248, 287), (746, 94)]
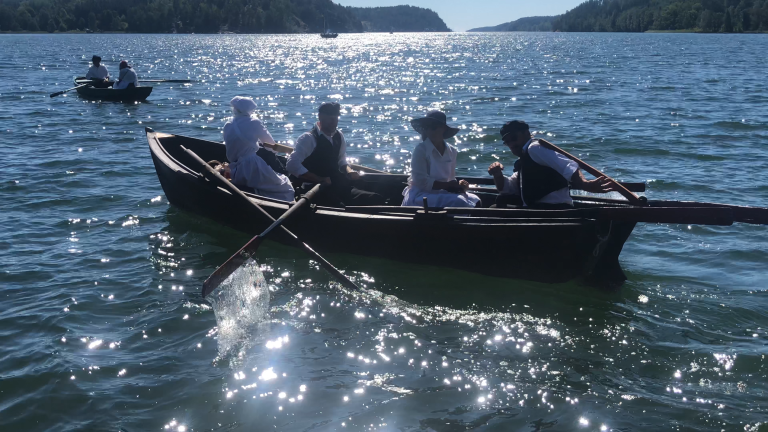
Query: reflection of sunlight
[(267, 375)]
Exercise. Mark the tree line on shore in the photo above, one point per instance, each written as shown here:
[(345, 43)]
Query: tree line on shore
[(528, 24), (205, 16), (399, 18), (712, 16)]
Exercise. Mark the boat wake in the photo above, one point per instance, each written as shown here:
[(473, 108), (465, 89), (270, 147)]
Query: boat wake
[(241, 306)]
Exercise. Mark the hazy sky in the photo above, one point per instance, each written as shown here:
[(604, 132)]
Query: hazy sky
[(463, 15)]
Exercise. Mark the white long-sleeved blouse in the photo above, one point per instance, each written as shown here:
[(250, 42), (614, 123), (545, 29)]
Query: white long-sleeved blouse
[(429, 166), (241, 136)]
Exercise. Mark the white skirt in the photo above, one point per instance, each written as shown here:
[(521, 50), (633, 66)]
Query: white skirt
[(414, 197), (253, 172)]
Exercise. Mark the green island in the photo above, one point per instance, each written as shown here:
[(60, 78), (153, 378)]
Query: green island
[(400, 18), (706, 16), (210, 16)]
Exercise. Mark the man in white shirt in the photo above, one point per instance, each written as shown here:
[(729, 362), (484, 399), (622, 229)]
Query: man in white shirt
[(320, 156), (98, 72), (542, 178)]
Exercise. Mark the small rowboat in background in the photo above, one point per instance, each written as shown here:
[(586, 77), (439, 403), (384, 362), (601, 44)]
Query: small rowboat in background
[(539, 245), (132, 94)]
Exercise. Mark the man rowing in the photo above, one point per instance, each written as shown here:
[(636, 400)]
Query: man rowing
[(247, 158), (320, 156), (127, 77), (98, 73), (542, 178)]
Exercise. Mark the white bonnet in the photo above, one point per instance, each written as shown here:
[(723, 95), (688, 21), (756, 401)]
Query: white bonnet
[(242, 105)]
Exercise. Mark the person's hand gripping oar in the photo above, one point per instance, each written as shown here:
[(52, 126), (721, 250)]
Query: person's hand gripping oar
[(618, 187), (239, 258)]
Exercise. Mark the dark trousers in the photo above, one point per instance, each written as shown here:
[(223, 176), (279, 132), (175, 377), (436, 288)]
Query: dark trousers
[(272, 160), (504, 200), (341, 193)]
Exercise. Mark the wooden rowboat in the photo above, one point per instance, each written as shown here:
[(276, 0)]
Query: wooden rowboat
[(132, 94), (539, 245)]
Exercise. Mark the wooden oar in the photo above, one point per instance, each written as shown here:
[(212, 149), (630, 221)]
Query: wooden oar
[(149, 81), (632, 198), (53, 95), (165, 81), (226, 184), (743, 214), (245, 252)]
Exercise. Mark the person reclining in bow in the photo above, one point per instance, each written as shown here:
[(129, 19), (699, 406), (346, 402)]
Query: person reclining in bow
[(248, 159), (433, 167), (320, 156), (542, 176), (127, 77)]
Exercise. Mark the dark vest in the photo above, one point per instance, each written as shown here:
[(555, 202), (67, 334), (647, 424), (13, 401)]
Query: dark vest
[(324, 160), (538, 181)]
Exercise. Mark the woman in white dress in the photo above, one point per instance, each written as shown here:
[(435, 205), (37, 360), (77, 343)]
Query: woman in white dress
[(127, 77), (242, 135), (433, 167)]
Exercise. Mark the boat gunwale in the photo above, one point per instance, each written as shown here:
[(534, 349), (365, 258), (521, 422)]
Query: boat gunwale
[(110, 94), (154, 139)]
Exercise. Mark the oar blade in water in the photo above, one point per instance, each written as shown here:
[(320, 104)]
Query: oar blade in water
[(225, 270)]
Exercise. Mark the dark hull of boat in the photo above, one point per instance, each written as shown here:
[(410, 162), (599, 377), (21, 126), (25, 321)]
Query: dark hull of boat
[(329, 35), (546, 249), (133, 94)]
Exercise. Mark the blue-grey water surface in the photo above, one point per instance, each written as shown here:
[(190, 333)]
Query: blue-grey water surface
[(102, 326)]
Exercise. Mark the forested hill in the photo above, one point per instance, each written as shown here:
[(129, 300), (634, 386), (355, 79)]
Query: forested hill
[(538, 23), (712, 16), (400, 19), (182, 16), (643, 15)]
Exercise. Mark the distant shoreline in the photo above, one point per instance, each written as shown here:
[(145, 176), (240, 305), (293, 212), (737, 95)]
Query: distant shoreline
[(474, 32), (221, 34), (701, 32)]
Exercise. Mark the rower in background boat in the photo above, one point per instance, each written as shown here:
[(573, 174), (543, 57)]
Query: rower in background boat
[(248, 159), (127, 77), (320, 156), (98, 73), (541, 177), (433, 167)]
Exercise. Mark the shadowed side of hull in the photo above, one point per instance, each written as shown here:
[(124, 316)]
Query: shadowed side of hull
[(132, 94), (540, 249)]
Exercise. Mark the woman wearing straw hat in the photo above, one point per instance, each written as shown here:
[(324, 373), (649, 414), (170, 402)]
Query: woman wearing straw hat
[(433, 167)]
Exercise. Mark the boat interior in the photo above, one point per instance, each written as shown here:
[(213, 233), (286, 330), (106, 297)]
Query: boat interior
[(389, 185)]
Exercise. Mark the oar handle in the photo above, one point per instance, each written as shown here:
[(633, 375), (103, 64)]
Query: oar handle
[(631, 197), (166, 80)]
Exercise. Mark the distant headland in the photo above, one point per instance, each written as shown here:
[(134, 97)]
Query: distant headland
[(706, 16), (211, 16)]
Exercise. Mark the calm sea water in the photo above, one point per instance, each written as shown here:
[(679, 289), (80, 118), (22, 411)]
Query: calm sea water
[(102, 326)]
